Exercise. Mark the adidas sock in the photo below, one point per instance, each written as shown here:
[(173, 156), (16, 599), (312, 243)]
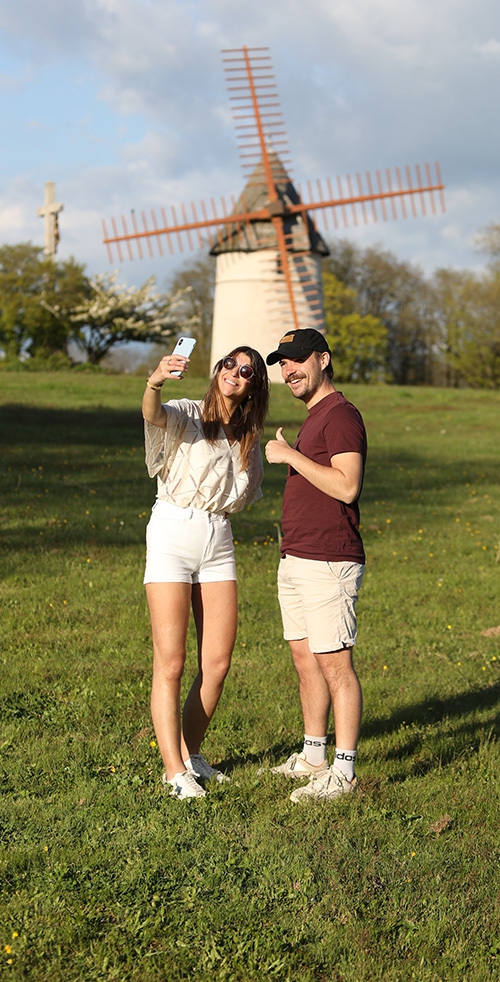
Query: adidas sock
[(344, 762), (315, 749)]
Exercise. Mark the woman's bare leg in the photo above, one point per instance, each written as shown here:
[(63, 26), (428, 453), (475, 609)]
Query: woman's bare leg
[(215, 609), (169, 608)]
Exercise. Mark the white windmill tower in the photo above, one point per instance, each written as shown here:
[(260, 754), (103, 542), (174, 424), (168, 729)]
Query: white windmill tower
[(252, 298)]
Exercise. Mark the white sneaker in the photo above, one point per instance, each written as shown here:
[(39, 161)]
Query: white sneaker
[(298, 766), (184, 786), (331, 784), (200, 769)]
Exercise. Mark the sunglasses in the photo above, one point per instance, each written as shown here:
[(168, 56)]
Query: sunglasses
[(245, 371)]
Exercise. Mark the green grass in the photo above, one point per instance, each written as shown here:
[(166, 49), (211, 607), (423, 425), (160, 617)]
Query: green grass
[(105, 877)]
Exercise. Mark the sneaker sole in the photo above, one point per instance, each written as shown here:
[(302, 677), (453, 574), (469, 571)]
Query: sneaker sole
[(296, 797)]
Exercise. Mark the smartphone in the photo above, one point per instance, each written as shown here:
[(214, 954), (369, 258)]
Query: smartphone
[(185, 347)]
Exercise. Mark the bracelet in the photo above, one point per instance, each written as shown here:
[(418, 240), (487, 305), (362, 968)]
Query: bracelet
[(155, 388)]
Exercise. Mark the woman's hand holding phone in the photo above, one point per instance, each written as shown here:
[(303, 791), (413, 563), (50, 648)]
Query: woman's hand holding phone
[(184, 347)]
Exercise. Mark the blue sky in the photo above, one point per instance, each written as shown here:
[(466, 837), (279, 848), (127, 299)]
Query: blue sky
[(123, 104), (56, 113)]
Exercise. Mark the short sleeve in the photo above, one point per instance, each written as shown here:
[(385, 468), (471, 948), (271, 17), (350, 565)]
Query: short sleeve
[(344, 431), (161, 443)]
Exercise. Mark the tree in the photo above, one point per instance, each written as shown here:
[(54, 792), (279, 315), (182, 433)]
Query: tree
[(198, 280), (32, 289), (65, 285), (114, 314), (488, 241), (469, 307), (479, 364), (21, 281), (397, 294), (450, 287), (358, 343), (469, 318)]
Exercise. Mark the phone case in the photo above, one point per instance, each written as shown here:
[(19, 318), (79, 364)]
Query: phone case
[(185, 347)]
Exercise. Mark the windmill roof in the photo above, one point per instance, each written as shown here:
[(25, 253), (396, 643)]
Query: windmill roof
[(252, 236)]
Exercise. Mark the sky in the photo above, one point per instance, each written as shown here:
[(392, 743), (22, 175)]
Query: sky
[(124, 105)]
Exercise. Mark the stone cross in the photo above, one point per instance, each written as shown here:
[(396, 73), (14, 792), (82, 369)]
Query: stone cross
[(50, 211)]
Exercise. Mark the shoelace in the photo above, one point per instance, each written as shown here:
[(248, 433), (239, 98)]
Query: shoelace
[(326, 778), (191, 782)]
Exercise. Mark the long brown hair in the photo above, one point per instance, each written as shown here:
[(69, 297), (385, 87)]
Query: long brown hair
[(252, 411)]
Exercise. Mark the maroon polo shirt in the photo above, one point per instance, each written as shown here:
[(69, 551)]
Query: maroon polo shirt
[(314, 525)]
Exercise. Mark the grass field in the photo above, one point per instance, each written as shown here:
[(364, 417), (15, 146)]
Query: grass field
[(104, 877)]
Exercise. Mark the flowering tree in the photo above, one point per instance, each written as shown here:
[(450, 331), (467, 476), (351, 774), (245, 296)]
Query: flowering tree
[(114, 314)]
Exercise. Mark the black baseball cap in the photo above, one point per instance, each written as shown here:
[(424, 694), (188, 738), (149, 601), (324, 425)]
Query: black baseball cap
[(298, 344)]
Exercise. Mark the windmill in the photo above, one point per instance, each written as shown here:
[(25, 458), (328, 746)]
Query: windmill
[(267, 244)]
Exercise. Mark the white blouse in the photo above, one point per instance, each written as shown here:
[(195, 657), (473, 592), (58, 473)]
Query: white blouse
[(191, 472)]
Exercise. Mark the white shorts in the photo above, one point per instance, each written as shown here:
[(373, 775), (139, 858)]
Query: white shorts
[(318, 602), (187, 545)]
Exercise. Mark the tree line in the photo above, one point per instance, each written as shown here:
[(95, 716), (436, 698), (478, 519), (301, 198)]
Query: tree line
[(385, 320)]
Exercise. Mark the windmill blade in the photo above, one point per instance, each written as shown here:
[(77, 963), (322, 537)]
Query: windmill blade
[(259, 128), (175, 230), (303, 283), (362, 202), (256, 112), (380, 195)]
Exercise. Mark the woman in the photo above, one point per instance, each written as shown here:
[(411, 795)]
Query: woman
[(207, 460)]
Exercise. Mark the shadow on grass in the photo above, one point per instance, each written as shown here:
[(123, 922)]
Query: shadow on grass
[(433, 710), (466, 736), (455, 731), (31, 427), (74, 479), (391, 479)]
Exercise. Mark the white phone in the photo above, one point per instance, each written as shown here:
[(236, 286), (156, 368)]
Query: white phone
[(185, 347)]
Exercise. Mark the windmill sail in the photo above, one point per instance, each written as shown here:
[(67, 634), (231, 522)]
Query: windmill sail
[(271, 230)]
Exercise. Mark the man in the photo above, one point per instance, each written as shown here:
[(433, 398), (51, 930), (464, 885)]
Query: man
[(322, 562)]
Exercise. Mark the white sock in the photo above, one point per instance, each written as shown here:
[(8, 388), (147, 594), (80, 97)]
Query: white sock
[(315, 749), (344, 762)]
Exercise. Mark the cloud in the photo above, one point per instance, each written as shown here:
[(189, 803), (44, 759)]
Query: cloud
[(9, 83), (491, 49)]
